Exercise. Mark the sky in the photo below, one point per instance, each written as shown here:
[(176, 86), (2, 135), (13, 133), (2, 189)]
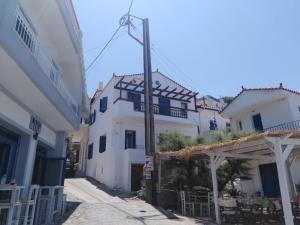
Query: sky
[(210, 46)]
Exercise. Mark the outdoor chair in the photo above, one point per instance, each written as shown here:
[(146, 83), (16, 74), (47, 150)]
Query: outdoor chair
[(229, 210), (186, 205)]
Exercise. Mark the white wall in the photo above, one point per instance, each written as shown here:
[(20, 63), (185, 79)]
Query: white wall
[(272, 114), (113, 167), (205, 115)]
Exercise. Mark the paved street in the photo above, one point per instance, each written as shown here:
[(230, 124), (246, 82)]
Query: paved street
[(97, 206)]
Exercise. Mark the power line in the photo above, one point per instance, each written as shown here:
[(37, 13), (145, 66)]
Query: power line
[(105, 46), (108, 47), (131, 3)]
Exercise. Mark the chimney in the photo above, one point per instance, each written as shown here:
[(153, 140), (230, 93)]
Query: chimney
[(101, 86), (280, 85)]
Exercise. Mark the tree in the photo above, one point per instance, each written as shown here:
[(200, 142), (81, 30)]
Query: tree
[(227, 99), (232, 170), (173, 142)]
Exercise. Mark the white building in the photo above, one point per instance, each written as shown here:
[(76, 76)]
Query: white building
[(116, 152), (266, 109), (42, 89), (210, 119)]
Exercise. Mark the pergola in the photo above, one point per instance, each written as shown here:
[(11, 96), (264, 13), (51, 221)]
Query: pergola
[(281, 147), (180, 94)]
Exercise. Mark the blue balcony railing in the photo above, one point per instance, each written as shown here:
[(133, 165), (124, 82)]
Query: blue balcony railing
[(290, 126)]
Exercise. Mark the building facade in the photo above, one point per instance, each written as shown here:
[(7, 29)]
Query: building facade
[(262, 110), (210, 118), (116, 151), (42, 89)]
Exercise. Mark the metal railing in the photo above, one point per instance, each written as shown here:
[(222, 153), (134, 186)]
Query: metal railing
[(290, 126), (160, 110), (46, 62)]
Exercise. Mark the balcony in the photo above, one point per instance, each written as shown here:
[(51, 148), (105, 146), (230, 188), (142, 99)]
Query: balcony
[(159, 110), (45, 61), (290, 126)]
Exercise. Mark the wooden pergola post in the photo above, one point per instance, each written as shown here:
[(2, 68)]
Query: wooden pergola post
[(215, 162), (281, 156)]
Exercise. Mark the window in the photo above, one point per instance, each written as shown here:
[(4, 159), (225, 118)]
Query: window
[(240, 125), (130, 139), (213, 124), (299, 108), (103, 104), (102, 144), (25, 32), (90, 151), (184, 105), (92, 118)]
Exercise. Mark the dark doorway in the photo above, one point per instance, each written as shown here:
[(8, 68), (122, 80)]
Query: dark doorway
[(38, 176), (257, 122), (8, 155), (136, 176), (269, 180), (164, 106)]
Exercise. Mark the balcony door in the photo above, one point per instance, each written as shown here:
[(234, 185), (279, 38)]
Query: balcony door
[(8, 152), (257, 122), (164, 106)]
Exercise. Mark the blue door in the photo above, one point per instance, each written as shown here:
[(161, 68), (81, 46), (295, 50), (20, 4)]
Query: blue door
[(269, 180), (164, 106), (257, 122)]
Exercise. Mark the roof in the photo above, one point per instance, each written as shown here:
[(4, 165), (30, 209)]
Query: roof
[(234, 144), (260, 89), (157, 71)]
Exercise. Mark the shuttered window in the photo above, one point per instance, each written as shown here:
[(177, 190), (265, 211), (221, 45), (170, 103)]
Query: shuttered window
[(90, 151), (130, 139), (102, 144), (103, 104)]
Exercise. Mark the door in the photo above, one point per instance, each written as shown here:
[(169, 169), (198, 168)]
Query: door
[(136, 176), (40, 164), (164, 106), (269, 180), (257, 122), (8, 151)]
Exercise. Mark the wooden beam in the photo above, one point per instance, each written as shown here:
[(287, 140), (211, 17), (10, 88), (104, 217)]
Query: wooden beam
[(163, 90), (139, 85), (178, 93), (171, 92)]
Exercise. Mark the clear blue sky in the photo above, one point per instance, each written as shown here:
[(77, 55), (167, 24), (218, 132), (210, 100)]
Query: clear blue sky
[(216, 45)]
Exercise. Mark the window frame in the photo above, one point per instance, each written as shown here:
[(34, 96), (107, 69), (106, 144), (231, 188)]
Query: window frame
[(133, 144), (102, 146), (90, 151), (103, 105)]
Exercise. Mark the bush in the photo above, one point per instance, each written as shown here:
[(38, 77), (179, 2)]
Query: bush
[(200, 139), (173, 142)]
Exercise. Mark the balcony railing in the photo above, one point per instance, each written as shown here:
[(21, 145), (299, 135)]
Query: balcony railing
[(290, 126), (160, 110), (46, 62)]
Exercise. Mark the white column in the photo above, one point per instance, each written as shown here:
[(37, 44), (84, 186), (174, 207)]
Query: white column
[(29, 161), (283, 182), (214, 168)]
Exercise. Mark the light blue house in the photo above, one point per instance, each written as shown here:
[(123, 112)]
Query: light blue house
[(42, 89)]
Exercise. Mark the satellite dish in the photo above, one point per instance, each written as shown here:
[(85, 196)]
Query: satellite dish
[(157, 82)]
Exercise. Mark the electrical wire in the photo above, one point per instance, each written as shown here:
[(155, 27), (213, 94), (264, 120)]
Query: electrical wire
[(103, 49), (109, 47), (131, 3)]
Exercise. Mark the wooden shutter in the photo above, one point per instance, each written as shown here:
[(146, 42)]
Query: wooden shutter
[(102, 144)]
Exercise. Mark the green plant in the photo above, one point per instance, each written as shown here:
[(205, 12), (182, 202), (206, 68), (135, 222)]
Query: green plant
[(200, 139), (173, 141)]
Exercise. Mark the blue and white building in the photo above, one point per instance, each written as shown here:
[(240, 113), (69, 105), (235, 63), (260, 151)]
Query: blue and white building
[(42, 89)]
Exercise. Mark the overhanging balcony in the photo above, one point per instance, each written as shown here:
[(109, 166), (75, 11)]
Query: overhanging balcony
[(290, 126)]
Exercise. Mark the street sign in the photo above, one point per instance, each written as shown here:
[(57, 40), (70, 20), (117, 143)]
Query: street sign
[(149, 163)]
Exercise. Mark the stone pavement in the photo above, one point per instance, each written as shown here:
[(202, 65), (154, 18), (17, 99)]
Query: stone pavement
[(92, 204)]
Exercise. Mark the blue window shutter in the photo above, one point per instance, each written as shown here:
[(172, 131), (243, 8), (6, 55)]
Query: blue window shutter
[(94, 116), (103, 104), (102, 144), (90, 151), (90, 119)]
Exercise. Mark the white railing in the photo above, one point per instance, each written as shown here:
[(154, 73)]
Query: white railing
[(46, 62), (50, 205), (32, 205), (290, 126)]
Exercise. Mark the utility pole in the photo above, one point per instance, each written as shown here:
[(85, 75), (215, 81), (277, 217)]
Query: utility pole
[(151, 181), (149, 114)]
